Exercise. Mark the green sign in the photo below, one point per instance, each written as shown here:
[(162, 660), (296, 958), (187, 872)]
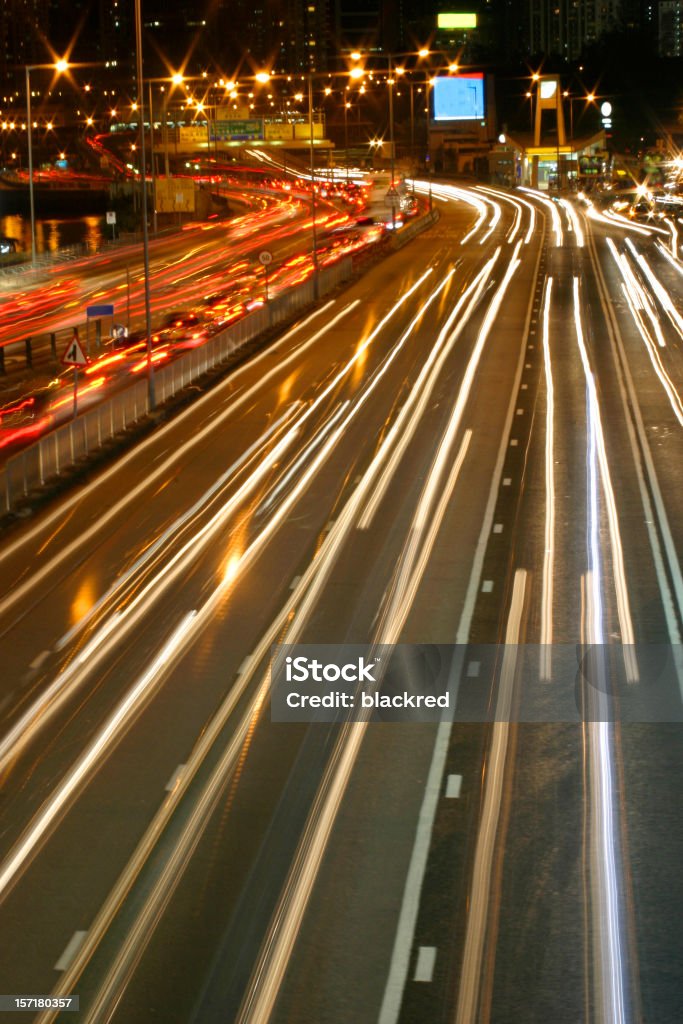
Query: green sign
[(237, 131)]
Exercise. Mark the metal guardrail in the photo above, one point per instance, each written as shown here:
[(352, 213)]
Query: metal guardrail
[(63, 447), (47, 458)]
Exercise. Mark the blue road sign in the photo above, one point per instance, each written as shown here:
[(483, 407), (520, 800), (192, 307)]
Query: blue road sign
[(99, 311)]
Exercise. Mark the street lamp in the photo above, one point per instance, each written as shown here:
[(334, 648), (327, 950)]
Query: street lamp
[(59, 66), (346, 138), (145, 233)]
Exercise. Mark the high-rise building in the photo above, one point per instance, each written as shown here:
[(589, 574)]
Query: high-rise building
[(23, 25), (565, 27), (670, 28)]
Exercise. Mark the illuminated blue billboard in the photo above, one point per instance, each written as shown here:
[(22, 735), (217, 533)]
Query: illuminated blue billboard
[(459, 98)]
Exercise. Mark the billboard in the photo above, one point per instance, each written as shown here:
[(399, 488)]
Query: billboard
[(459, 98), (457, 20)]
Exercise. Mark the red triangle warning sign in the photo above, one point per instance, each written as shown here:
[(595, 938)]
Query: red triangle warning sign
[(74, 354)]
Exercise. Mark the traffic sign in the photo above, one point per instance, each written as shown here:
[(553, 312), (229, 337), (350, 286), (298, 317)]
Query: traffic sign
[(265, 257), (97, 311), (118, 331), (111, 216), (74, 354)]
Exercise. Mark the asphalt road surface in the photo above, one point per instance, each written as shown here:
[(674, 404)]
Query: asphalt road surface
[(476, 444)]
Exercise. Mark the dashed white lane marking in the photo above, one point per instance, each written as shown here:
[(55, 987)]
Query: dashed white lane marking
[(514, 442), (39, 659), (295, 583), (243, 666), (426, 958), (524, 387), (453, 786), (473, 669), (72, 947), (507, 481), (175, 778), (487, 586), (520, 412), (497, 527)]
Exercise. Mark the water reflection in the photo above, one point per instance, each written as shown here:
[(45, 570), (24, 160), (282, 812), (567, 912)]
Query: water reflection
[(54, 233)]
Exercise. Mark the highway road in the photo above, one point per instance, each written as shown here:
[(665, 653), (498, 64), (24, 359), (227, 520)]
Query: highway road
[(184, 266), (476, 444)]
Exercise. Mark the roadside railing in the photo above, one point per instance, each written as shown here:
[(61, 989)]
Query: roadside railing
[(64, 447), (51, 455)]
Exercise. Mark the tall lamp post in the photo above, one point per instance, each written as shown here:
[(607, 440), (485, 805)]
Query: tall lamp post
[(58, 66), (313, 202), (145, 233), (346, 137)]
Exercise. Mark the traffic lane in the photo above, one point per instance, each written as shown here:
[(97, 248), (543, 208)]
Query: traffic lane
[(295, 380), (642, 273), (649, 752), (326, 486), (655, 411), (249, 415), (353, 913), (326, 491), (647, 588), (652, 779), (334, 610), (534, 911), (368, 291)]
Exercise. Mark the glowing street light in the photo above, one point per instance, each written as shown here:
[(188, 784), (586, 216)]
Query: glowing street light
[(262, 76)]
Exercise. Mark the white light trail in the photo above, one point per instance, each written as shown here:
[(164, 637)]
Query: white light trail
[(574, 221), (597, 435), (58, 801), (554, 213), (75, 674), (467, 1008), (659, 290), (638, 301), (549, 551), (405, 425), (606, 916)]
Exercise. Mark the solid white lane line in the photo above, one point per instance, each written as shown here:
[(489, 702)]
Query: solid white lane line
[(549, 549), (426, 959), (72, 947), (453, 787)]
